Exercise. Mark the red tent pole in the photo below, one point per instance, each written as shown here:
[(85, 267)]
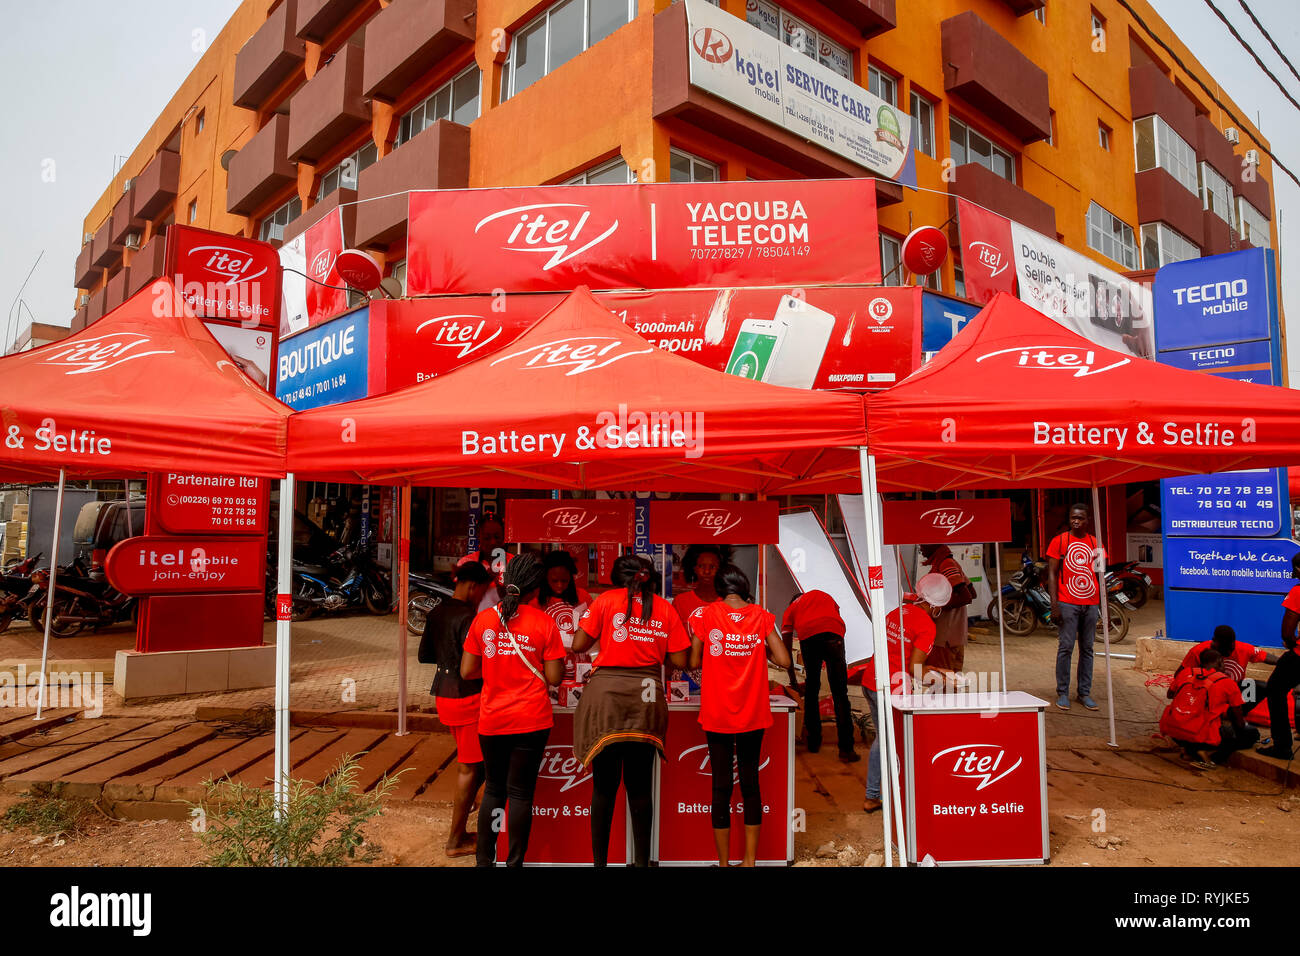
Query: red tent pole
[(1099, 563), (403, 591)]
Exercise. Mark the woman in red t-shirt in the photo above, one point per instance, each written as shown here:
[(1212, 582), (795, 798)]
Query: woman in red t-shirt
[(622, 716), (734, 709), (517, 651), (700, 566)]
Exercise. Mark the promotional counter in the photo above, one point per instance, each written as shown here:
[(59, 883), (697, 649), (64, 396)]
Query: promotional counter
[(974, 771), (682, 834)]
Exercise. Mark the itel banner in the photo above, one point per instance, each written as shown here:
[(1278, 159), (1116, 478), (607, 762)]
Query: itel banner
[(594, 521), (986, 252), (153, 565), (860, 339), (963, 521), (308, 260), (212, 504), (719, 522), (225, 277), (642, 236)]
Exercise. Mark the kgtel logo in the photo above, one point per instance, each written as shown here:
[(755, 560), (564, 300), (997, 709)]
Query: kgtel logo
[(231, 265), (563, 353), (717, 520), (102, 352), (977, 762), (989, 256), (712, 45), (559, 763), (534, 233), (569, 520), (1061, 358), (949, 520), (459, 331)]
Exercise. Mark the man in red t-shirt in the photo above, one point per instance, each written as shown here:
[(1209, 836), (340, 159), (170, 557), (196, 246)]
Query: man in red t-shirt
[(1286, 675), (814, 618), (1236, 656), (1205, 712), (1074, 587)]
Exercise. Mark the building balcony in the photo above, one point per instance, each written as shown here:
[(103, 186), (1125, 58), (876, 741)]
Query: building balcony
[(95, 309), (1217, 235), (1161, 198), (78, 321), (269, 57), (87, 272), (316, 18), (328, 106), (123, 221), (1213, 147), (409, 37), (117, 289), (979, 185), (988, 72), (155, 188), (872, 17), (104, 251), (437, 158), (261, 168), (1254, 190), (147, 264), (1151, 93), (323, 208), (675, 100), (1021, 7)]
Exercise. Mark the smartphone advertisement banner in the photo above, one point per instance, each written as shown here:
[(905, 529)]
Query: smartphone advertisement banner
[(641, 236)]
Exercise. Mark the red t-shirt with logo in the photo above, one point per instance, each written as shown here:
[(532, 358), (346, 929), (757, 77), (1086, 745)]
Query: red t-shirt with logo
[(1234, 665), (566, 615), (634, 643), (1076, 582), (1292, 601), (912, 629), (733, 682), (687, 603), (1221, 692), (813, 613), (514, 700)]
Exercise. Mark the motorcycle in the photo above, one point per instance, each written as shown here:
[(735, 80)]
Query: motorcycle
[(1136, 583), (82, 596), (351, 580), (1026, 603), (15, 586), (426, 593)]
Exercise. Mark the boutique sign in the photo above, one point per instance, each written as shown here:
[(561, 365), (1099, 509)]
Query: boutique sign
[(326, 364)]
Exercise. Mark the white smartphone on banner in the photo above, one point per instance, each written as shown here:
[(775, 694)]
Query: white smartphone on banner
[(807, 333), (758, 346)]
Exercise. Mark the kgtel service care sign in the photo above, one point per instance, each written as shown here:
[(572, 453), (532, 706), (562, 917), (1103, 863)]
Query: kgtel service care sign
[(651, 236)]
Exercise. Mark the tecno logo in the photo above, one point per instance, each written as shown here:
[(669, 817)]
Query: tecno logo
[(716, 520), (712, 45), (563, 238), (469, 333), (948, 520), (569, 520), (559, 763), (593, 352), (229, 264), (697, 759), (322, 264), (1061, 358), (982, 762), (103, 352), (989, 256), (1211, 292)]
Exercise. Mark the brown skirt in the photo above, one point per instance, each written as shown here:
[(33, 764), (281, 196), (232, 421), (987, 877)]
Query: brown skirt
[(613, 709)]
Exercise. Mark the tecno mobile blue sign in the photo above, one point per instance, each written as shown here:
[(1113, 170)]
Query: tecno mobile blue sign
[(325, 365), (1215, 301)]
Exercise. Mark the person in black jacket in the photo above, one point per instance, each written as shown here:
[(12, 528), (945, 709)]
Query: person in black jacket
[(458, 699)]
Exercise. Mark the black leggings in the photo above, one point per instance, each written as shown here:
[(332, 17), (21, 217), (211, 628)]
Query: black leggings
[(634, 764), (734, 756), (511, 763)]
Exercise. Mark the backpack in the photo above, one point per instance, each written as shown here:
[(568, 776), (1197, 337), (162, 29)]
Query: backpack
[(1188, 715)]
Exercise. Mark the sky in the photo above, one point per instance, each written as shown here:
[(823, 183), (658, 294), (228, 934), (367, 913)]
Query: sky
[(92, 76)]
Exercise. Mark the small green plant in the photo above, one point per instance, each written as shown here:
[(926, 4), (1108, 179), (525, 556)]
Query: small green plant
[(321, 825), (48, 816)]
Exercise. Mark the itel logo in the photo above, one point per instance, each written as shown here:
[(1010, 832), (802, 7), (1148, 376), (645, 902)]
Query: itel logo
[(717, 520), (1064, 358), (947, 519), (712, 45), (464, 332), (560, 237), (563, 353), (102, 352), (230, 264), (989, 256), (559, 763), (700, 753), (569, 520), (976, 762), (322, 264)]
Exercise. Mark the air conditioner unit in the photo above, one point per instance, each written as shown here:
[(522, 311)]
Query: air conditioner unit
[(126, 185), (83, 300), (1252, 157), (1231, 135), (86, 237), (274, 232), (132, 240)]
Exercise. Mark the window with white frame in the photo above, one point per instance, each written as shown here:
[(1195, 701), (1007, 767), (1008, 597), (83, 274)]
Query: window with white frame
[(882, 84), (793, 32), (273, 225), (891, 252), (1111, 236), (1156, 144), (1216, 195), (562, 32), (686, 168), (967, 146), (344, 175), (1041, 15), (1161, 245), (613, 172), (1254, 225), (1103, 136), (958, 280), (399, 273), (922, 113), (456, 100), (1098, 28)]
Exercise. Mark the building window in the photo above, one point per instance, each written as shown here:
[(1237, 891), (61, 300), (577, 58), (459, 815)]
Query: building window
[(967, 146), (273, 225), (456, 100), (1162, 245), (1111, 237), (880, 83), (1051, 127), (1254, 225), (685, 168), (198, 123), (891, 265), (344, 175), (1216, 195), (1156, 144), (557, 36), (793, 32), (922, 112), (958, 281), (614, 172), (1103, 136), (1041, 14), (194, 210), (1098, 31), (398, 272)]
